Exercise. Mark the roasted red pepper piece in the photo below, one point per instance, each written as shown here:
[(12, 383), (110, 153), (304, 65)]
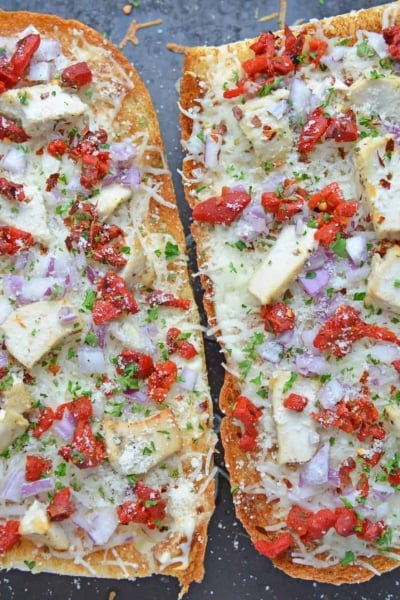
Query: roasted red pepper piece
[(46, 419), (11, 190), (12, 71), (86, 450), (9, 535), (10, 130), (62, 505), (36, 467), (115, 299), (13, 240), (177, 343), (273, 548), (295, 402), (279, 317), (161, 380), (143, 363), (149, 508), (246, 412), (343, 329), (80, 408), (160, 298), (222, 210), (313, 130), (343, 129), (77, 75)]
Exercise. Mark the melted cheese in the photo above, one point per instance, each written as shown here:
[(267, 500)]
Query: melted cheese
[(259, 260)]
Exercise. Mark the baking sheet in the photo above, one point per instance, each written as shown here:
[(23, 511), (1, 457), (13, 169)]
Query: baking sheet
[(234, 569)]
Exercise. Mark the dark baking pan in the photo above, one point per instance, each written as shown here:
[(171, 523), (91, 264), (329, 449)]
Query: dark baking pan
[(234, 570)]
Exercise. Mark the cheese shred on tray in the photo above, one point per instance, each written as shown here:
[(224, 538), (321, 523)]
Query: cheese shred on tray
[(292, 163), (106, 441)]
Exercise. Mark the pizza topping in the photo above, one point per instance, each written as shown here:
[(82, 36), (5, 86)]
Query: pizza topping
[(36, 467), (279, 317), (12, 71), (9, 535), (77, 75), (114, 299), (339, 333), (93, 280), (61, 507), (223, 209), (149, 508), (10, 130)]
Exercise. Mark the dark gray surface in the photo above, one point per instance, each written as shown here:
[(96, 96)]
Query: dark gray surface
[(234, 570)]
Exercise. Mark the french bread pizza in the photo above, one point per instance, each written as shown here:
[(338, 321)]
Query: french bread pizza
[(106, 439), (291, 169)]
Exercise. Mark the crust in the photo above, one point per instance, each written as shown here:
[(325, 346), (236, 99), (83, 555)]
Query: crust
[(137, 113), (252, 510)]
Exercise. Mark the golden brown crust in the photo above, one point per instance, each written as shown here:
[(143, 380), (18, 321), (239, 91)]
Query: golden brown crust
[(136, 113), (252, 510)]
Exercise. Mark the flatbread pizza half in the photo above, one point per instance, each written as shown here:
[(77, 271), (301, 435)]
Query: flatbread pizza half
[(106, 441), (292, 173)]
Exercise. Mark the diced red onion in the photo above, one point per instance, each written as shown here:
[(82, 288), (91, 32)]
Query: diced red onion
[(313, 286), (21, 260), (330, 393), (374, 373), (188, 379), (392, 128), (122, 152), (316, 471), (3, 359), (286, 338), (302, 99), (12, 488), (49, 49), (91, 360), (252, 222), (270, 184), (65, 427), (376, 41), (278, 109), (333, 477), (308, 363), (299, 225), (308, 336), (40, 71), (14, 161), (271, 351), (136, 396), (12, 286), (383, 491), (99, 525), (131, 177), (356, 248), (212, 147), (32, 488), (67, 315), (91, 274), (101, 332), (384, 352), (316, 260)]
